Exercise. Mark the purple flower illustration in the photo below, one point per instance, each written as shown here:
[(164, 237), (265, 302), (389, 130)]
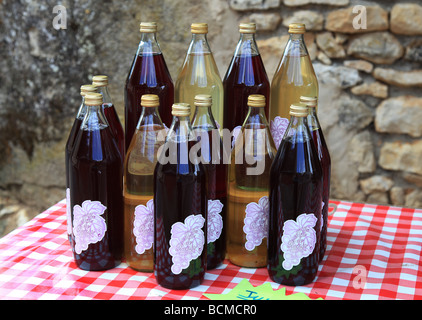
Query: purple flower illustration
[(298, 240), (256, 223), (278, 127), (215, 221), (68, 212), (88, 226), (322, 218), (143, 226), (187, 242)]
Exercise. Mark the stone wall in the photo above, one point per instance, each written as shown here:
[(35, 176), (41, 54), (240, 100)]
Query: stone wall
[(370, 84)]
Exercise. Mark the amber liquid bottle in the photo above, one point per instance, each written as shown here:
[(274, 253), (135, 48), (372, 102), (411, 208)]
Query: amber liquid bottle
[(294, 77), (101, 82), (148, 75), (96, 190), (251, 159), (212, 156), (295, 205), (325, 159), (180, 208), (245, 75), (138, 187), (87, 88), (199, 73)]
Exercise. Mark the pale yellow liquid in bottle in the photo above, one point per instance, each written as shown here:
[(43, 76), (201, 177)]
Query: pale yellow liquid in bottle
[(200, 76), (294, 77), (138, 190)]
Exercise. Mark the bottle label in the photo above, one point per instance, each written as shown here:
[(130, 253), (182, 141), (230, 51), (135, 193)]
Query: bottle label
[(68, 212), (256, 223), (298, 240), (88, 225), (186, 242), (215, 220), (278, 127), (143, 226), (322, 217)]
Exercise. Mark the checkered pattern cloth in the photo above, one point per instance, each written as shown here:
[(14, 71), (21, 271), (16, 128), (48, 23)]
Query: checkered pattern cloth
[(373, 252)]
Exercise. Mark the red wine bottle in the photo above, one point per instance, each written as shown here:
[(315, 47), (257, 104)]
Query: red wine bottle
[(295, 205), (245, 76), (96, 192), (180, 208), (148, 75)]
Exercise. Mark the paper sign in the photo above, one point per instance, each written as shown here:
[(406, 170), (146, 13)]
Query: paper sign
[(246, 291)]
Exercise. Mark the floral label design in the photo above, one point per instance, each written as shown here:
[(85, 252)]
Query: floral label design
[(215, 220), (143, 226), (278, 127), (88, 225), (322, 217), (298, 240), (256, 223), (68, 212), (187, 242)]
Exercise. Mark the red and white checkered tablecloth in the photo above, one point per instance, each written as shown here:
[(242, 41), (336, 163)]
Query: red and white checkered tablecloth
[(373, 252)]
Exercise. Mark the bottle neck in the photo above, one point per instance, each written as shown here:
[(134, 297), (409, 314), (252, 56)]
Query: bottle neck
[(106, 96), (255, 118), (180, 129), (203, 118), (296, 45), (298, 130), (148, 44), (247, 45), (94, 119), (313, 122), (82, 110), (199, 44), (149, 117)]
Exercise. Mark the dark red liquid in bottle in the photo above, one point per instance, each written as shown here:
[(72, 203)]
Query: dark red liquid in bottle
[(325, 159), (115, 126), (68, 151), (148, 75), (180, 192), (96, 177), (217, 192), (295, 189), (246, 75)]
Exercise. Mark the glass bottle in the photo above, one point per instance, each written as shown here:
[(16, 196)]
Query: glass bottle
[(110, 112), (199, 74), (86, 88), (148, 75), (245, 75), (251, 158), (325, 159), (180, 208), (212, 152), (295, 205), (138, 186), (294, 77), (96, 190)]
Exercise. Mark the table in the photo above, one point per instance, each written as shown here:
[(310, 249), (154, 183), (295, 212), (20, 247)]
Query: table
[(373, 252)]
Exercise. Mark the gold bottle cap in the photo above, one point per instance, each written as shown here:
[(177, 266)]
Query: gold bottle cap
[(86, 88), (180, 110), (247, 28), (299, 110), (100, 81), (150, 100), (199, 28), (256, 100), (93, 99), (203, 100), (148, 27), (297, 28), (309, 101)]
